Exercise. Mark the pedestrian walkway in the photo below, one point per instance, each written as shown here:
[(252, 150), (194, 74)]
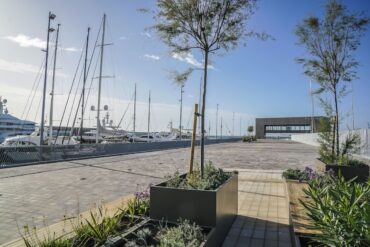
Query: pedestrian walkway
[(33, 195), (263, 217)]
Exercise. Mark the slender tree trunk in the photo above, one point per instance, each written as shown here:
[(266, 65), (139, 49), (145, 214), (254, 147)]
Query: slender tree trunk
[(203, 112), (336, 121), (333, 121)]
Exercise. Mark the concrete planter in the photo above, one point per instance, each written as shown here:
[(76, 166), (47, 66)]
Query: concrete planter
[(348, 172), (209, 208), (154, 226)]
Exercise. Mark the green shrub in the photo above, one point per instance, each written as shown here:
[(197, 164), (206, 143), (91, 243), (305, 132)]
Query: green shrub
[(249, 139), (183, 235), (213, 178), (295, 174), (340, 210), (348, 147)]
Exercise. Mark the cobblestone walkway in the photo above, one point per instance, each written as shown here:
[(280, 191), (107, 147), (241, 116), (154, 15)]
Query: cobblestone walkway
[(263, 217), (44, 194)]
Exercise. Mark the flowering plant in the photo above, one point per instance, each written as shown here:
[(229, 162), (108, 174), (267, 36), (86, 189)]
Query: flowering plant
[(140, 204)]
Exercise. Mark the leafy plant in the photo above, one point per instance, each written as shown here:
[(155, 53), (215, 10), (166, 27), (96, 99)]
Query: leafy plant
[(207, 26), (249, 139), (174, 181), (213, 178), (301, 175), (340, 210), (183, 235), (98, 228), (250, 129), (347, 148), (31, 239), (331, 42), (139, 205)]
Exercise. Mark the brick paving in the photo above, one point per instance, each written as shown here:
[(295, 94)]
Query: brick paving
[(44, 194), (263, 215)]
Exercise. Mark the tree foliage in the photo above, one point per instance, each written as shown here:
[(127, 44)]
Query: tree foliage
[(203, 24), (331, 42), (207, 25)]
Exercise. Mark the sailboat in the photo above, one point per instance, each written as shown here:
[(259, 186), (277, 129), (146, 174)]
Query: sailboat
[(102, 134)]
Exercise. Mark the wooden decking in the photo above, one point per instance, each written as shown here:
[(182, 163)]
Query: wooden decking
[(301, 223)]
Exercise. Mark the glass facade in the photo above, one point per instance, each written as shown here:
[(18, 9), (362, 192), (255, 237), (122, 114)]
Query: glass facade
[(285, 131), (287, 128)]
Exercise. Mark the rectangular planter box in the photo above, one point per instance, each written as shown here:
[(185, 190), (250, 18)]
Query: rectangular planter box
[(209, 208), (152, 225), (348, 172)]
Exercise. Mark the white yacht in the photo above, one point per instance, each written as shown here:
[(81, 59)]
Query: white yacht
[(34, 140), (11, 126)]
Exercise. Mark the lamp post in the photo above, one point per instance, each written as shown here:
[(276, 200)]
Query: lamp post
[(51, 17), (181, 96)]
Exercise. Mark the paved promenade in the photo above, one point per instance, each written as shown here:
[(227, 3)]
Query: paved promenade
[(44, 194), (263, 215)]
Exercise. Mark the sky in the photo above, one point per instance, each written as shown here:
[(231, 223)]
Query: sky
[(261, 79)]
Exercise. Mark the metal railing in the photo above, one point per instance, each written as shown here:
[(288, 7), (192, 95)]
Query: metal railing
[(19, 156)]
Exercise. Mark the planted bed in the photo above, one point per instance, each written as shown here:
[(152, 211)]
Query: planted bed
[(206, 207), (357, 170)]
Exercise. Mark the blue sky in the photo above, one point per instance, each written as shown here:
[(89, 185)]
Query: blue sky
[(259, 80)]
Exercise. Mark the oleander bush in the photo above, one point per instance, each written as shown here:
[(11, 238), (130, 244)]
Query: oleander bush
[(340, 210)]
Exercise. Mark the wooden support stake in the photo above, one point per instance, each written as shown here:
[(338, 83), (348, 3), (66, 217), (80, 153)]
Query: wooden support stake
[(193, 139)]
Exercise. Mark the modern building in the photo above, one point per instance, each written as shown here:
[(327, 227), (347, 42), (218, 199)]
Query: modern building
[(284, 127)]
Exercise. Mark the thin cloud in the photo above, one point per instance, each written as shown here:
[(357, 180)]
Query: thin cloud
[(71, 49), (146, 34), (18, 67), (151, 56), (123, 38), (26, 41), (22, 68), (189, 58)]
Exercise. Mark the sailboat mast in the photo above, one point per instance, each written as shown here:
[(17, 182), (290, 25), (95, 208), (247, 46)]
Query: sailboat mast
[(100, 78), (52, 89), (51, 17), (149, 117), (233, 123), (84, 84), (240, 125), (181, 94), (134, 111), (217, 121), (221, 128)]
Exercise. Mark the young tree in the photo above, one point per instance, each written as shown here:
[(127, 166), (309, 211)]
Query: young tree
[(331, 42), (207, 25), (250, 129)]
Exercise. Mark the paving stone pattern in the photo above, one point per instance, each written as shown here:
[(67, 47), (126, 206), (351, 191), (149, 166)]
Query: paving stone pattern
[(263, 215), (44, 194)]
